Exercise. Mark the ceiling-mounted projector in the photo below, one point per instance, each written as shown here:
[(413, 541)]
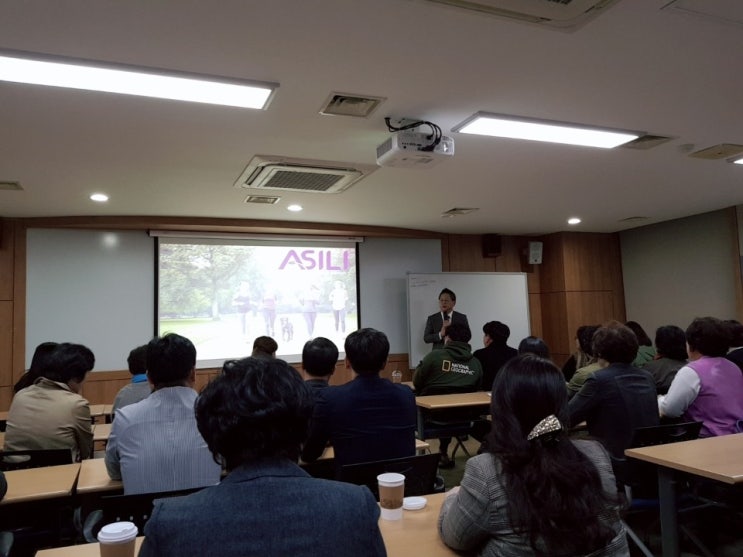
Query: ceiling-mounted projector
[(411, 149)]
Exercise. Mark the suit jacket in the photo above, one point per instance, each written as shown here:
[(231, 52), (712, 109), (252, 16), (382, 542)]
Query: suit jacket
[(48, 415), (267, 508), (155, 445), (477, 517), (492, 358), (613, 402), (366, 419), (434, 324)]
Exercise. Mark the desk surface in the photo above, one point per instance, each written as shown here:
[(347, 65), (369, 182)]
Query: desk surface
[(456, 400), (717, 458), (415, 534), (94, 477), (101, 432), (40, 483)]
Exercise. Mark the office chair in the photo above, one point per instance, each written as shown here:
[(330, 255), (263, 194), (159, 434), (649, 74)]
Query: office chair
[(419, 471), (131, 508), (639, 480), (36, 458)]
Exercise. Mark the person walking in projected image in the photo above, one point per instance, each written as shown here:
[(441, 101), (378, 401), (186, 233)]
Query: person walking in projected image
[(436, 324), (269, 311), (309, 308), (241, 301), (338, 298)]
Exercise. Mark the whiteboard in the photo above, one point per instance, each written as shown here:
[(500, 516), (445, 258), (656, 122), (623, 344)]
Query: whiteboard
[(482, 297)]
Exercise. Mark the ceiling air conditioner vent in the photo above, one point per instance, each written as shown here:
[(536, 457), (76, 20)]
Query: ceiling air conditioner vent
[(303, 175), (566, 15)]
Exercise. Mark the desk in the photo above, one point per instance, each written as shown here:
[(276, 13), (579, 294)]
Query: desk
[(715, 458), (415, 534), (94, 478), (34, 484), (101, 432), (443, 402)]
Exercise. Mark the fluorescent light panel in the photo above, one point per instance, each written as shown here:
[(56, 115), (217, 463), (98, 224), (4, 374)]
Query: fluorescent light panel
[(739, 161), (530, 129), (74, 74)]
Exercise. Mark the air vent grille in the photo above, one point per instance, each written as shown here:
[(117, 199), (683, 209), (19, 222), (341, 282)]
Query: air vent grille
[(11, 186), (305, 181), (301, 175), (262, 199)]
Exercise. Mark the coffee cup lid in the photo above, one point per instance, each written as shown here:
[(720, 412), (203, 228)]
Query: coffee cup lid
[(117, 532), (391, 479)]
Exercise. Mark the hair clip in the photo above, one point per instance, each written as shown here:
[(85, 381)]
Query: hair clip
[(549, 424)]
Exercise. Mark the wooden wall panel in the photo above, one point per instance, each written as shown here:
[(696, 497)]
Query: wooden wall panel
[(6, 343), (554, 330), (7, 245), (6, 394), (553, 264), (589, 308), (592, 261)]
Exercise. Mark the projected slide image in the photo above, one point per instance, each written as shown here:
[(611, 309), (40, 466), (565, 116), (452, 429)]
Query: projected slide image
[(222, 295)]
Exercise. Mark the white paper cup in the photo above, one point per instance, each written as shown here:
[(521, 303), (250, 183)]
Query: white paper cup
[(391, 493), (117, 539)]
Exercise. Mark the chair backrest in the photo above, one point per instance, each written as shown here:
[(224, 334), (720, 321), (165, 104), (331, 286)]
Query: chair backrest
[(36, 458), (641, 477), (666, 433), (135, 508), (419, 472)]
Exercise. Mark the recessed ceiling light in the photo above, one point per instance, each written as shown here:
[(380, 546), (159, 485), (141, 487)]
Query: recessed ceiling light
[(99, 197), (295, 208), (516, 127), (36, 69), (574, 220)]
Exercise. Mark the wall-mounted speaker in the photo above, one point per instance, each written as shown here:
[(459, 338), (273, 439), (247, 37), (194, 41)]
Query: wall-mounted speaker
[(535, 253), (491, 245)]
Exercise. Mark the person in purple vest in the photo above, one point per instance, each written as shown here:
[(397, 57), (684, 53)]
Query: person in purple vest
[(709, 388)]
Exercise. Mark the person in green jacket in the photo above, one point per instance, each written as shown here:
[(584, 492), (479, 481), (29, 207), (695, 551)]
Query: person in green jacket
[(645, 352), (451, 369)]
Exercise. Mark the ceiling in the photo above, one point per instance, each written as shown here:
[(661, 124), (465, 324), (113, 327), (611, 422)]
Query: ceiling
[(634, 67)]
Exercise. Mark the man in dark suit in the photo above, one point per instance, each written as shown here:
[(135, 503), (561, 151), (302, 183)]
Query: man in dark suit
[(436, 324), (496, 351), (368, 418), (616, 400), (254, 418)]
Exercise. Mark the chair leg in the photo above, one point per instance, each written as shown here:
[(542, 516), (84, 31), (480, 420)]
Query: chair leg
[(638, 542)]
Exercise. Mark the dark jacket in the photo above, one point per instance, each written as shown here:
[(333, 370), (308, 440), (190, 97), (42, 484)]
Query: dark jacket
[(270, 507), (492, 358), (434, 324), (366, 419), (613, 402)]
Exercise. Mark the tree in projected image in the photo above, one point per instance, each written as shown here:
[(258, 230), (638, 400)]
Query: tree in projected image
[(200, 280)]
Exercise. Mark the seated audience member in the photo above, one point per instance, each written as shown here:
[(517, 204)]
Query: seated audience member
[(735, 354), (368, 418), (496, 351), (51, 414), (591, 363), (154, 444), (452, 369), (709, 388), (579, 358), (3, 485), (618, 398), (645, 351), (265, 348), (38, 363), (535, 492), (254, 418), (670, 344), (139, 388), (319, 357), (534, 345)]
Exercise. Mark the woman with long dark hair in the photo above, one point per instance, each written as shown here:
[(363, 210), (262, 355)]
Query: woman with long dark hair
[(535, 492)]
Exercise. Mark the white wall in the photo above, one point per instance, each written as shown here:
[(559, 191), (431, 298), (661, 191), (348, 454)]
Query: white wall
[(677, 270)]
